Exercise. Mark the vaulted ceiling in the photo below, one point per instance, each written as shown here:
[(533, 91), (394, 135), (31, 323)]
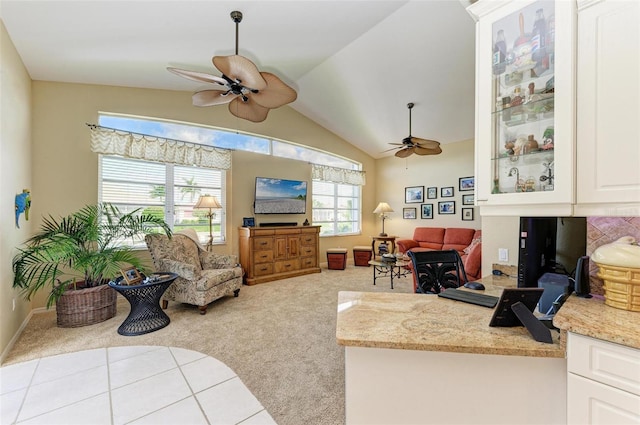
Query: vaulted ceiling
[(354, 64)]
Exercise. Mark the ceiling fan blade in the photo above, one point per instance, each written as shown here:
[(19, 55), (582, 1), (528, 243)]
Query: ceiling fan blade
[(425, 143), (403, 153), (248, 110), (240, 69), (392, 149), (419, 150), (397, 144), (212, 98), (276, 94), (200, 77)]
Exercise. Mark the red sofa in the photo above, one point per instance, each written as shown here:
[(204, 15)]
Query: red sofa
[(466, 241)]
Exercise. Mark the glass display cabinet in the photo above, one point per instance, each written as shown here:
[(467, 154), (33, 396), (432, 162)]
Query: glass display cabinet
[(525, 103)]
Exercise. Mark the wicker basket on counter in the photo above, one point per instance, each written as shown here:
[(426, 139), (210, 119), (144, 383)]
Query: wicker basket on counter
[(621, 286)]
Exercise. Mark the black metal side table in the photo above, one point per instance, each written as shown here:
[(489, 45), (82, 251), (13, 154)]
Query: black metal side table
[(145, 315)]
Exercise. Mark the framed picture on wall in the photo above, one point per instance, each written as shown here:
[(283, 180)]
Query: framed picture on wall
[(466, 183), (409, 213), (413, 194), (447, 207), (467, 199), (432, 192), (446, 192), (467, 214), (426, 211)]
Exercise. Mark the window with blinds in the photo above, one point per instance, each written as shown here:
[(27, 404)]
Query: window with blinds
[(336, 208), (166, 190)]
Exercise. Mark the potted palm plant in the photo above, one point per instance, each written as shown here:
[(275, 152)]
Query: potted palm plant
[(75, 256)]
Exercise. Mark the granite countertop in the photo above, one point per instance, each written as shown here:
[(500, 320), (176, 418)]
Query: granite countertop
[(431, 323), (592, 317)]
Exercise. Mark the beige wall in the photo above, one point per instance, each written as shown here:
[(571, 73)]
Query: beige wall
[(15, 175), (394, 174)]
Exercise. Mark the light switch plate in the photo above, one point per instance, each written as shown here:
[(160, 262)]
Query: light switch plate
[(503, 254)]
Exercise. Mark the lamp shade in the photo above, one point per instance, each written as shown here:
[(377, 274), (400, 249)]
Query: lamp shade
[(207, 201), (382, 208)]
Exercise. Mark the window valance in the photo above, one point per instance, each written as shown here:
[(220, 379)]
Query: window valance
[(109, 141), (337, 175)]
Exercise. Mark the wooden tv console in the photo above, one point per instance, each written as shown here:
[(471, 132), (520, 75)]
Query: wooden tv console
[(272, 253)]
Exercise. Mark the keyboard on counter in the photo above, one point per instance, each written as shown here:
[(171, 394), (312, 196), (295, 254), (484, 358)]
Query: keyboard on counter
[(469, 297)]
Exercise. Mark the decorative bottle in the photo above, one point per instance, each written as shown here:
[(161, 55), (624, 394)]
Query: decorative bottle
[(499, 54)]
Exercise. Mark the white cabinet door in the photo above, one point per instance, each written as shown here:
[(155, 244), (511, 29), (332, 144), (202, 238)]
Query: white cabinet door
[(608, 124), (590, 402), (525, 106)]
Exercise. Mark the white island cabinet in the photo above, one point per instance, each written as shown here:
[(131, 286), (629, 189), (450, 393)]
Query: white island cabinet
[(422, 359)]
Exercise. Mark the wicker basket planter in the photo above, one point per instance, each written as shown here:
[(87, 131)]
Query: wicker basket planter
[(621, 286), (86, 306)]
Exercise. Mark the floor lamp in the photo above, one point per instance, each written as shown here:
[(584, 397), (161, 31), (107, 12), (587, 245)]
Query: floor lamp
[(210, 203), (382, 209)]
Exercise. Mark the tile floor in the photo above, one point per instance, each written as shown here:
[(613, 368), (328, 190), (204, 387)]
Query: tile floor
[(127, 385)]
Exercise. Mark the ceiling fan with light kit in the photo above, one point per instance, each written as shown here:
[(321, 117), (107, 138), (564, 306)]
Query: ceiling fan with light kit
[(415, 145), (249, 92)]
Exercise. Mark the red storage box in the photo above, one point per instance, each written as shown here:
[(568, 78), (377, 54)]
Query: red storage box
[(362, 255), (337, 258)]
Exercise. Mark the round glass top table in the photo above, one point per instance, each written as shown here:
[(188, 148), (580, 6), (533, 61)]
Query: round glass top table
[(146, 315)]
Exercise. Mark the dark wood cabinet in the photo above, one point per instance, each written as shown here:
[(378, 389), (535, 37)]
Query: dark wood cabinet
[(272, 253)]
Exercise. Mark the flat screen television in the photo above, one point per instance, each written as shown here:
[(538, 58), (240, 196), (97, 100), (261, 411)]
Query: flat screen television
[(280, 196)]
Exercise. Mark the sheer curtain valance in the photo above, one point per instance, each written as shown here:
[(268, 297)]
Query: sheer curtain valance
[(140, 146), (337, 175)]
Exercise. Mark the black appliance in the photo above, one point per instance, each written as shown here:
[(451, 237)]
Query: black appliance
[(536, 249)]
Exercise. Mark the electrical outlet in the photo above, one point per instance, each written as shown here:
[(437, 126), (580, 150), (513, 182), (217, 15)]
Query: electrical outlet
[(503, 254)]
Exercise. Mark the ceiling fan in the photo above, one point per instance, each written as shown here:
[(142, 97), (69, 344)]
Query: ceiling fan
[(415, 145), (249, 92)]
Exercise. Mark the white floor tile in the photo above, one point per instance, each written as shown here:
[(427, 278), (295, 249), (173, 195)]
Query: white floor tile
[(10, 405), (228, 403), (17, 376), (205, 373), (139, 367), (184, 356), (261, 418), (61, 392), (118, 353), (184, 412), (142, 384), (140, 398), (55, 367), (95, 410)]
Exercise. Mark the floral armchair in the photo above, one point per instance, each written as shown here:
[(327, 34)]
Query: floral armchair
[(203, 276)]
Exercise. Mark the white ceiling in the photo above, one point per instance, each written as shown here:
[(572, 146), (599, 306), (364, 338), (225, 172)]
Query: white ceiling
[(354, 64)]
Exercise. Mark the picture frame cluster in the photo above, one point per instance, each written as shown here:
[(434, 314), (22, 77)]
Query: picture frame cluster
[(416, 195)]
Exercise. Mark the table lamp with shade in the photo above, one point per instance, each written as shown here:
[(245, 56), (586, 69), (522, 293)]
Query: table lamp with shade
[(209, 202), (383, 208)]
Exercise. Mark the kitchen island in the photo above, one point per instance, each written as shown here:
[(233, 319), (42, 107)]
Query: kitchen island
[(412, 358)]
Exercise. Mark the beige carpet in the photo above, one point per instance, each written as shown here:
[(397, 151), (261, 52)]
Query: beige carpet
[(279, 337)]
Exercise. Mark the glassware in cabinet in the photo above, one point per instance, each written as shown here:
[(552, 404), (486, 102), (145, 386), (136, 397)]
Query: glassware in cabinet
[(523, 86)]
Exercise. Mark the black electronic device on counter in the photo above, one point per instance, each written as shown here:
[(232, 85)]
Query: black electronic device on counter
[(582, 287)]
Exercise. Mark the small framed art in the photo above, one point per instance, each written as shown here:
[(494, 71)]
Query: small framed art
[(426, 211), (466, 183), (467, 214), (413, 194), (248, 222), (446, 192), (132, 276), (467, 199), (432, 192), (447, 207), (409, 213)]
